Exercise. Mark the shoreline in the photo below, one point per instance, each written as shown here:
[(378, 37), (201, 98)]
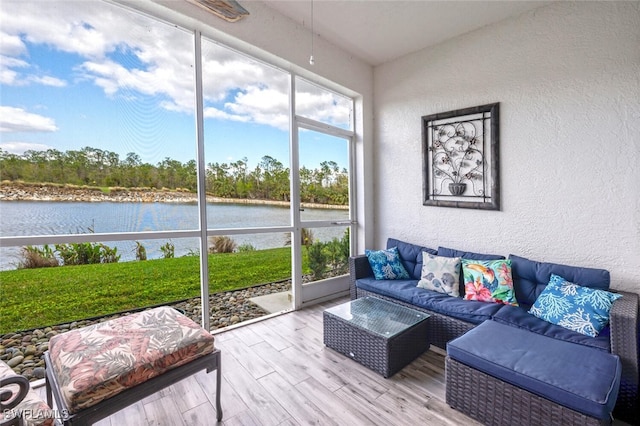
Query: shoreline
[(54, 193)]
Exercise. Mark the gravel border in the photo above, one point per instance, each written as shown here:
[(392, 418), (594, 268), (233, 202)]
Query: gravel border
[(23, 350)]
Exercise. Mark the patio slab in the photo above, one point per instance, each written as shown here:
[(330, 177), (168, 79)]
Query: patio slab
[(275, 302)]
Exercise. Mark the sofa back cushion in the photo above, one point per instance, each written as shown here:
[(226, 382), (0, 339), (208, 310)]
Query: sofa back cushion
[(531, 277), (411, 256), (449, 252)]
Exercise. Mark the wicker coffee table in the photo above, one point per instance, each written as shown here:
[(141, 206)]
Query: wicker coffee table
[(380, 335)]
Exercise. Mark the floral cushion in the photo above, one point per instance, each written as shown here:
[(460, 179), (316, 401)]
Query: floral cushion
[(441, 274), (488, 281), (577, 308), (386, 264), (35, 411), (97, 362)]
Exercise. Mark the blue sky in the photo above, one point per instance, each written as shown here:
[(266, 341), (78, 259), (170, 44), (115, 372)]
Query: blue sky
[(76, 74)]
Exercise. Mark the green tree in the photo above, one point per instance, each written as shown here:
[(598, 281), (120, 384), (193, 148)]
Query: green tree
[(92, 166)]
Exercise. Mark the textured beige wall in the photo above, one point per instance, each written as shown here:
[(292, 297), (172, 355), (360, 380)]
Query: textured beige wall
[(567, 77)]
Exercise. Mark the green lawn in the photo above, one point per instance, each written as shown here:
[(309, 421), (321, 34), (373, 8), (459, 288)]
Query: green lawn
[(31, 298)]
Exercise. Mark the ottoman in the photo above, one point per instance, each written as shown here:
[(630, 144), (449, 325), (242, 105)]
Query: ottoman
[(500, 375), (98, 370)]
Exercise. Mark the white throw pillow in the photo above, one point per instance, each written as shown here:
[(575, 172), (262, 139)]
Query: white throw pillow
[(441, 274)]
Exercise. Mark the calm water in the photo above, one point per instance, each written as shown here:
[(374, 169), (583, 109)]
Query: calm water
[(19, 218)]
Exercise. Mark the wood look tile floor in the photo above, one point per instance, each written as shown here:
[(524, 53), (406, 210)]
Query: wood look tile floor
[(278, 372)]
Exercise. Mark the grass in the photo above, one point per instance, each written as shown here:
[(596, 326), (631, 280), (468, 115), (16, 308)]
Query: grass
[(31, 298)]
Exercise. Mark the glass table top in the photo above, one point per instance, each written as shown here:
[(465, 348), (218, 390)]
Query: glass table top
[(378, 316)]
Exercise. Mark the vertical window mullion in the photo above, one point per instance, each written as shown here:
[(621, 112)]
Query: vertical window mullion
[(202, 189), (294, 177)]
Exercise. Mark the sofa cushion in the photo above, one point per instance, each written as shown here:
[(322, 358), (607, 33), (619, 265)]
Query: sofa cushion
[(449, 252), (465, 310), (440, 274), (518, 317), (578, 377), (410, 255), (99, 361), (488, 281), (531, 277), (400, 289), (386, 264), (581, 309)]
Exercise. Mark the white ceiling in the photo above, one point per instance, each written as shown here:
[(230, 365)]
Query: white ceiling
[(378, 31)]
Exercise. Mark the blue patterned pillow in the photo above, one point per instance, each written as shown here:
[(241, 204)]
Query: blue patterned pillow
[(581, 309), (386, 264), (441, 274)]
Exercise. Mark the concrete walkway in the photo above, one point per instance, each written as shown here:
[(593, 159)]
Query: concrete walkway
[(275, 302)]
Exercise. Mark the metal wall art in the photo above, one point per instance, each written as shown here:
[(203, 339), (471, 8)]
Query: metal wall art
[(460, 158)]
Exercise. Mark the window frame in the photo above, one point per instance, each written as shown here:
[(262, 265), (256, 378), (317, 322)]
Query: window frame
[(203, 232)]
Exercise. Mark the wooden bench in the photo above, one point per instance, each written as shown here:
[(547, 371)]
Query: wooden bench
[(98, 370)]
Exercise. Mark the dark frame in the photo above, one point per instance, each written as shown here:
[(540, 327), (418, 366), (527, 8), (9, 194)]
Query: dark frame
[(460, 158)]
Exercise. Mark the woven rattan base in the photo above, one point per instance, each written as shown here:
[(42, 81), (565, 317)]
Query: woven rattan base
[(494, 402), (442, 328), (383, 355)]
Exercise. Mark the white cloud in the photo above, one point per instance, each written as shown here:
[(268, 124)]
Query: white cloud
[(263, 105), (18, 120), (9, 76), (48, 81), (11, 45), (20, 148), (126, 54), (211, 112), (11, 49), (322, 105)]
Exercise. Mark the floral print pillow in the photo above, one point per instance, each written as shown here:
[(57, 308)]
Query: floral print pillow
[(386, 264), (582, 309), (441, 274), (488, 281)]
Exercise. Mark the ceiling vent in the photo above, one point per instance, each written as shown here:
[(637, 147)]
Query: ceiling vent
[(229, 10)]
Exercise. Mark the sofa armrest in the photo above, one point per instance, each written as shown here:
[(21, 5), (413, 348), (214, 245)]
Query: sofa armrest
[(624, 343), (359, 267)]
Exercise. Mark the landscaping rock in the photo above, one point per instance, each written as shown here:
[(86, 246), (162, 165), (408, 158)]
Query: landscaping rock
[(23, 351), (39, 373), (30, 350), (15, 361)]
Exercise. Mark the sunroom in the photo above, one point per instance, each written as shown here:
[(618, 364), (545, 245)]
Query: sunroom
[(317, 96)]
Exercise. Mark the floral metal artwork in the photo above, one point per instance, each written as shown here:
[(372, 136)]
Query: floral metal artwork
[(460, 154)]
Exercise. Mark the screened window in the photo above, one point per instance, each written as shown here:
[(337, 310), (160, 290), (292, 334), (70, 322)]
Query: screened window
[(101, 155)]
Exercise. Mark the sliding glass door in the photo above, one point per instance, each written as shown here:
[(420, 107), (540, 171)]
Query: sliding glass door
[(322, 211)]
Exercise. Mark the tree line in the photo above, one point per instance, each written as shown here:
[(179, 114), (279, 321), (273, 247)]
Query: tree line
[(269, 180)]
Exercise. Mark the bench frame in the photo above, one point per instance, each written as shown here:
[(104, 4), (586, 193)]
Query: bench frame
[(130, 396)]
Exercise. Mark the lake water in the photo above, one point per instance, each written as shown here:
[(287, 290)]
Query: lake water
[(20, 218)]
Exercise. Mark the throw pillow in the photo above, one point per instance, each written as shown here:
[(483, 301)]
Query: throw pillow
[(488, 281), (440, 274), (386, 264), (578, 308)]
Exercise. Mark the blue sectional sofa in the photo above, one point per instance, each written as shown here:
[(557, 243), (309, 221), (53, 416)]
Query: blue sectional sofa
[(452, 317)]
